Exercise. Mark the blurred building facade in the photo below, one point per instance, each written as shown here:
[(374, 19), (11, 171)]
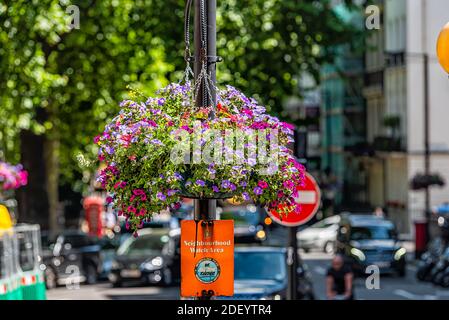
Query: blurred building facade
[(343, 127), (375, 163)]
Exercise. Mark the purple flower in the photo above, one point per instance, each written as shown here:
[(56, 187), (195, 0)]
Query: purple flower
[(258, 191), (243, 184), (171, 192), (157, 142), (215, 188), (161, 101), (178, 176), (246, 196), (200, 183), (225, 184), (161, 196), (232, 187)]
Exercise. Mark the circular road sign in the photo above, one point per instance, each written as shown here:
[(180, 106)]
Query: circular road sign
[(309, 196)]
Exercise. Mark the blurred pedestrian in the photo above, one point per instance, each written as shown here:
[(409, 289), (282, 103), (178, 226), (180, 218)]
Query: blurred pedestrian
[(379, 212), (339, 280)]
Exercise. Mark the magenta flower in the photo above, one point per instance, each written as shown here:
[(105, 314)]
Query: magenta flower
[(262, 184), (288, 184), (138, 192), (132, 209)]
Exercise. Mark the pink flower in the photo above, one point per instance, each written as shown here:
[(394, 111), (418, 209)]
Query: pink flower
[(143, 197), (96, 139), (142, 212), (262, 184), (138, 192), (132, 209), (287, 125), (109, 199), (288, 184)]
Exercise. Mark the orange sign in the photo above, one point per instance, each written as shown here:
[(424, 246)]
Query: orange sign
[(207, 258)]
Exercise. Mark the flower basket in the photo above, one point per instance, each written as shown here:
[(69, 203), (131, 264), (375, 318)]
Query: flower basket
[(160, 149)]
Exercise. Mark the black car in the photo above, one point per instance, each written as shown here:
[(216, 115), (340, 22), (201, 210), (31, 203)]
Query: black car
[(248, 223), (261, 273), (69, 258), (366, 240), (151, 258)]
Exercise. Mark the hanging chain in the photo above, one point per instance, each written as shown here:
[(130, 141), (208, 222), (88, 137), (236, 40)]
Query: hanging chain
[(203, 81)]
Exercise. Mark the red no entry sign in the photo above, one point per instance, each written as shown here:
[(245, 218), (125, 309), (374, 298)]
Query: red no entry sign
[(309, 196)]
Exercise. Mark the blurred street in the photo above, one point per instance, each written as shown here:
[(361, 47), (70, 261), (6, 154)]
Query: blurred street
[(317, 262), (392, 288)]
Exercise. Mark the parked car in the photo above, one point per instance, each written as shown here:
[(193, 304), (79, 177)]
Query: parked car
[(369, 240), (108, 252), (321, 235), (248, 223), (151, 258), (269, 279), (70, 257)]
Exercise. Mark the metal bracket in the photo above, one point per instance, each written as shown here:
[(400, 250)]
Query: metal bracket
[(210, 59)]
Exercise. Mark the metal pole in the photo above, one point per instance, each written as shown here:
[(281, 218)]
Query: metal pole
[(292, 262), (205, 209), (427, 141)]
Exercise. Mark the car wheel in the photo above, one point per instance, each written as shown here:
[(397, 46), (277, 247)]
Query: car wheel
[(91, 274), (51, 281), (437, 278), (328, 247), (402, 272), (445, 281), (421, 274)]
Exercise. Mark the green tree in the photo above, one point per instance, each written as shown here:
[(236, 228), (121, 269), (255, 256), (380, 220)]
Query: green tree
[(58, 85)]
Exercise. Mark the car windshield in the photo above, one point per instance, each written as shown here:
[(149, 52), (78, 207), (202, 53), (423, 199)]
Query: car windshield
[(147, 244), (372, 233), (241, 218), (260, 266)]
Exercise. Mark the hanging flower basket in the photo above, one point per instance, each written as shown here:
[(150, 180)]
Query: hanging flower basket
[(12, 177), (160, 149)]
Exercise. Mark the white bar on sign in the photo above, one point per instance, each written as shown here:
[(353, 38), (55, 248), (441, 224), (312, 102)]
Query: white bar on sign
[(306, 197)]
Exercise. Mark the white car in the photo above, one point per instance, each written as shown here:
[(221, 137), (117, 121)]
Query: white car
[(321, 235)]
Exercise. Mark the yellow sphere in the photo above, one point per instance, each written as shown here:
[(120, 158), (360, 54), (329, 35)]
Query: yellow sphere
[(443, 48)]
